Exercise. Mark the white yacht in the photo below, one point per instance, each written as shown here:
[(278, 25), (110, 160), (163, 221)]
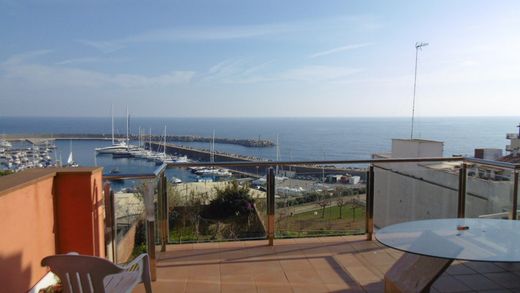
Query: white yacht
[(120, 145)]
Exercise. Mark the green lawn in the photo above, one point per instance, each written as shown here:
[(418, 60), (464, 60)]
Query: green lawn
[(312, 223)]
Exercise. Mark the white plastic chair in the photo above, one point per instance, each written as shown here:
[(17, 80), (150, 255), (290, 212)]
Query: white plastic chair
[(83, 273)]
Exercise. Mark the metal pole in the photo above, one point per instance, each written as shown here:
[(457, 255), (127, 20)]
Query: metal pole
[(110, 244), (461, 207), (150, 227), (270, 205), (163, 211), (514, 209), (369, 214), (417, 47)]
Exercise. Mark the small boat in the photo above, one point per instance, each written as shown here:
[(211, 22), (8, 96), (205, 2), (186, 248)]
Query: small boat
[(71, 162), (175, 180), (70, 159)]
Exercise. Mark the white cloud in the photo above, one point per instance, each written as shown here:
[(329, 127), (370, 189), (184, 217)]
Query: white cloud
[(103, 46), (19, 58), (236, 71), (16, 69), (83, 60), (232, 32), (339, 49), (213, 33), (318, 73)]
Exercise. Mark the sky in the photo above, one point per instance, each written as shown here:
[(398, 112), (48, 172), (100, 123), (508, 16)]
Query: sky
[(266, 58)]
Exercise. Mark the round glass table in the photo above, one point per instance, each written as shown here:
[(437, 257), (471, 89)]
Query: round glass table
[(431, 246), (463, 239)]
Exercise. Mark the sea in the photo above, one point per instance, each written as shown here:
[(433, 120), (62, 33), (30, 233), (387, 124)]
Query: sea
[(299, 139)]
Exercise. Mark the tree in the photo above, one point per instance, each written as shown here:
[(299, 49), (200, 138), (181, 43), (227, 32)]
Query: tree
[(355, 204), (323, 202), (340, 202)]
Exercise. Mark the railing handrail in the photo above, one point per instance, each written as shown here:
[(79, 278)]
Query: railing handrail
[(157, 172)]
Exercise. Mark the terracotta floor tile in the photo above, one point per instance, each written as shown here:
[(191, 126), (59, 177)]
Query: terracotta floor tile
[(334, 264), (237, 279), (269, 288), (202, 287), (344, 288), (238, 288), (507, 280), (271, 278), (309, 288), (478, 282), (362, 275), (303, 277), (483, 267), (301, 264), (335, 275), (511, 267), (236, 268), (459, 269), (163, 286), (446, 283), (323, 262), (268, 266)]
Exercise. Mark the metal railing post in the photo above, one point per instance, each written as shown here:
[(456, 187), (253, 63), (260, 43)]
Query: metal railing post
[(270, 205), (150, 227), (369, 213), (162, 210), (514, 209), (461, 206)]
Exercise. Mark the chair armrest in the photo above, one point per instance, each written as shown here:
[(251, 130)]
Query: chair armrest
[(141, 264), (138, 261)]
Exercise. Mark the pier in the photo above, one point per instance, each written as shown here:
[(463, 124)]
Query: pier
[(204, 156), (257, 143)]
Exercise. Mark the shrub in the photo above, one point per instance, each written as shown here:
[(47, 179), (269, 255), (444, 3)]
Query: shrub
[(230, 201)]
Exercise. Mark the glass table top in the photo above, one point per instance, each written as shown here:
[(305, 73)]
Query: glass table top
[(464, 239)]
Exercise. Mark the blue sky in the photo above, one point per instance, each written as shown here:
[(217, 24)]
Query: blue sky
[(259, 58)]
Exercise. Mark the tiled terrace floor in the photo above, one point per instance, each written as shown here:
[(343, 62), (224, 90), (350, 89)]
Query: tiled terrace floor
[(333, 264)]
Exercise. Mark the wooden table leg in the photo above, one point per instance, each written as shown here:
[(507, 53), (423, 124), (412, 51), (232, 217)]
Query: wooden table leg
[(414, 273)]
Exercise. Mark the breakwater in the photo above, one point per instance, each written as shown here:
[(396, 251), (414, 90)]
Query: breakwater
[(257, 143), (203, 155)]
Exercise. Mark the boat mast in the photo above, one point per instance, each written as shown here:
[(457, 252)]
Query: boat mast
[(150, 138), (127, 129), (164, 147), (277, 153), (212, 150), (139, 135), (112, 110)]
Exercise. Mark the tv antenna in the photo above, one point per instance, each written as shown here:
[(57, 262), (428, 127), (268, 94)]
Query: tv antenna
[(418, 46)]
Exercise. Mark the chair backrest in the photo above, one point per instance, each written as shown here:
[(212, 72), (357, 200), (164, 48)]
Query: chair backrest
[(81, 273)]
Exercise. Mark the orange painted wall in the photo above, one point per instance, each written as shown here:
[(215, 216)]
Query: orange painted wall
[(26, 235), (45, 212), (79, 205)]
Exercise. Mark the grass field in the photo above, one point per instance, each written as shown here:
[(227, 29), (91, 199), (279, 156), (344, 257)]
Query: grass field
[(312, 223)]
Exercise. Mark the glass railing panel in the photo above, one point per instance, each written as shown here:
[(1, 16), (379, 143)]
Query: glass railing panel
[(415, 191), (313, 201), (215, 204), (130, 216), (489, 192)]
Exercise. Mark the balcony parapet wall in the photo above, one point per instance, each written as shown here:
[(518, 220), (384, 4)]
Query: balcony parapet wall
[(45, 212)]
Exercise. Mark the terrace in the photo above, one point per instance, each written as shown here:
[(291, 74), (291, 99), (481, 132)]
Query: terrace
[(316, 240)]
